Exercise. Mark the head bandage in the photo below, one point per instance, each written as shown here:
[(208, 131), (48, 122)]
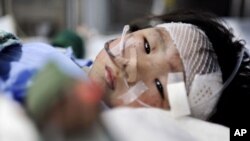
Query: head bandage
[(201, 68)]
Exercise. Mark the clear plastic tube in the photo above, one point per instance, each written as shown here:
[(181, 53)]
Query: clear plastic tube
[(206, 107)]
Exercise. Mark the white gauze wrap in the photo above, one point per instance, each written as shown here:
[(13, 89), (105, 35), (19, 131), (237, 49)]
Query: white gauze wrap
[(202, 71)]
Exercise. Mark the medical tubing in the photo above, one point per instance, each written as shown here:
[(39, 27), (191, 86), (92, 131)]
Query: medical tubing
[(230, 78), (125, 30), (143, 104)]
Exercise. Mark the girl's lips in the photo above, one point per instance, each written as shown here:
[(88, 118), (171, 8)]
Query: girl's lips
[(109, 77)]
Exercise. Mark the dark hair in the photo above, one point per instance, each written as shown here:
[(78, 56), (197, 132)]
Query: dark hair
[(228, 51)]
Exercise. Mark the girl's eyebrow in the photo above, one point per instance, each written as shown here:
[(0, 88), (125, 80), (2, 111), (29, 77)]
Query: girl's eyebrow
[(111, 40)]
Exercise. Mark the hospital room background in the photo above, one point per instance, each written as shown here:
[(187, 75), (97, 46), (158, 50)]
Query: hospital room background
[(96, 21), (85, 26)]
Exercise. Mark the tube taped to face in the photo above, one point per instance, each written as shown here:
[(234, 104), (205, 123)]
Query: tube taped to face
[(127, 65), (129, 69), (134, 92), (177, 95)]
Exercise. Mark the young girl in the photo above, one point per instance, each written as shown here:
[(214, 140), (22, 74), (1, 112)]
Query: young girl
[(135, 69), (188, 63)]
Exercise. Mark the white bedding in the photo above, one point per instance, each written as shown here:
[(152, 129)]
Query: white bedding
[(150, 124)]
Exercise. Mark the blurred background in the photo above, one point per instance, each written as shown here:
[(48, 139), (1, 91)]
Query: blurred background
[(84, 26), (96, 21)]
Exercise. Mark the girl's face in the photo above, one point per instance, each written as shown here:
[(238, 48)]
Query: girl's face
[(156, 57)]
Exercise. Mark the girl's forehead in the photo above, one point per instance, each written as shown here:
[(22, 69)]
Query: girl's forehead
[(146, 30), (156, 32)]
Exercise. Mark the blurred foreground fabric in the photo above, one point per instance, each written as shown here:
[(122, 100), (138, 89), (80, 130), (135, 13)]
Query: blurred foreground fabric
[(20, 62), (14, 123)]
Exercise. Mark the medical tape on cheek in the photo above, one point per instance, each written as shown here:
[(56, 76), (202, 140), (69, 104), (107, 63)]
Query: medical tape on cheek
[(177, 95), (134, 92), (131, 68)]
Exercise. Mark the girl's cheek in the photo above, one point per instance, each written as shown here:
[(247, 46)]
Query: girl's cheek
[(165, 105), (151, 100), (101, 55)]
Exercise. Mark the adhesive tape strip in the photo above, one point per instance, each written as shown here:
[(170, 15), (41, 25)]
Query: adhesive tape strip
[(134, 92), (177, 95)]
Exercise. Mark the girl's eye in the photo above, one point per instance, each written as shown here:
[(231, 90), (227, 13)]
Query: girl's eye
[(159, 87), (146, 46)]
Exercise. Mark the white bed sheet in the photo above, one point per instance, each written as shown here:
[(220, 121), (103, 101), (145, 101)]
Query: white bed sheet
[(151, 124)]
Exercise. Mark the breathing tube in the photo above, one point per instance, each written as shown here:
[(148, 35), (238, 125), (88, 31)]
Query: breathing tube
[(128, 67)]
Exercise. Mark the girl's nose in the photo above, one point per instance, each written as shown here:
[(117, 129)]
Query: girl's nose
[(126, 65)]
